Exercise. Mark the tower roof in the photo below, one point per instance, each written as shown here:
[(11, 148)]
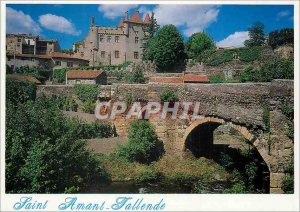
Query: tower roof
[(147, 19), (121, 23), (136, 17)]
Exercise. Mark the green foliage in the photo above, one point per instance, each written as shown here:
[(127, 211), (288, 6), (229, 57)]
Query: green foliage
[(60, 75), (42, 74), (87, 92), (143, 145), (165, 49), (256, 35), (148, 175), (288, 184), (275, 68), (250, 54), (288, 111), (20, 91), (281, 37), (42, 159), (217, 79), (168, 96), (238, 188), (219, 56), (151, 29), (88, 107), (137, 75), (198, 44), (65, 103)]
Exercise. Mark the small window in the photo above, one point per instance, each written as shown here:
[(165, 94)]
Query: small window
[(102, 54), (28, 42), (136, 40), (19, 39), (117, 54), (136, 55), (117, 39), (69, 64), (58, 63), (101, 38), (108, 39)]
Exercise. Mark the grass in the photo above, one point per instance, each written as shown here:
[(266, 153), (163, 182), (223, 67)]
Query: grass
[(168, 167)]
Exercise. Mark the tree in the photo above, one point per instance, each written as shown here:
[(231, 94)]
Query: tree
[(198, 44), (150, 30), (143, 145), (166, 48), (44, 153), (284, 36), (256, 35)]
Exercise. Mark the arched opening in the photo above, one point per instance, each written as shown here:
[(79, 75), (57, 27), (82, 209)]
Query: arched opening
[(232, 147)]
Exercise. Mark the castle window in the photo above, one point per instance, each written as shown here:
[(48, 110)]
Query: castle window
[(101, 38), (117, 39), (58, 63), (28, 42), (108, 39), (69, 64), (19, 39), (136, 40), (117, 54), (102, 54), (136, 55)]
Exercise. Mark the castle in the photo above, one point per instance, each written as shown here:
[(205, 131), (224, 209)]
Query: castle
[(114, 45)]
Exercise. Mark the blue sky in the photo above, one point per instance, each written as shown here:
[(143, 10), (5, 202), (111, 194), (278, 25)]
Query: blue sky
[(227, 24)]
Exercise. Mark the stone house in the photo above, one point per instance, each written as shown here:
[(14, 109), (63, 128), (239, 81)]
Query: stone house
[(86, 77), (30, 44), (114, 45), (55, 60)]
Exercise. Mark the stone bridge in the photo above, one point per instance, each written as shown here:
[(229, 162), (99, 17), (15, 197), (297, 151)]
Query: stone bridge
[(253, 109)]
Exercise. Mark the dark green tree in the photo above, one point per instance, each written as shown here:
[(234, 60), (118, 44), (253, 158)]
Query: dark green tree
[(284, 36), (198, 44), (256, 35), (166, 48), (273, 39)]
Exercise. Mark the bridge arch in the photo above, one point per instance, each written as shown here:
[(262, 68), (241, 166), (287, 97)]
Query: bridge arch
[(258, 143)]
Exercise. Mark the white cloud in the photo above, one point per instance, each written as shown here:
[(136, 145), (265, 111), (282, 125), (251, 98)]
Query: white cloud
[(113, 11), (283, 14), (18, 22), (193, 18), (58, 24), (234, 40)]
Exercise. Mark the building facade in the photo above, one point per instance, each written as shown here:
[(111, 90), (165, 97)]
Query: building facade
[(86, 77), (30, 44), (114, 45)]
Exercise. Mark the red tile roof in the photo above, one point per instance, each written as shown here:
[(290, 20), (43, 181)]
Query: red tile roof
[(195, 78), (136, 17), (165, 80), (121, 23), (77, 74), (147, 19), (64, 55)]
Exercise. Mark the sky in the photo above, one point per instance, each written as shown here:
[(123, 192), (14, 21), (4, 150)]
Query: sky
[(226, 24)]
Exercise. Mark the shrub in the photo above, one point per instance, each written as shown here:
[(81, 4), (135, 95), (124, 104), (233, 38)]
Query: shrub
[(87, 92), (219, 57), (148, 175), (238, 188), (249, 54), (217, 79), (143, 145), (137, 75), (60, 75), (20, 91), (288, 184), (88, 107), (168, 96)]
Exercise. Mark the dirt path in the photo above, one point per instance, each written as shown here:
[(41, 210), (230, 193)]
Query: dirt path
[(106, 145)]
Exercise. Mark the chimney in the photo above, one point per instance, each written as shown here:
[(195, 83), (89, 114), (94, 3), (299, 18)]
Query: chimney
[(93, 21), (126, 16)]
